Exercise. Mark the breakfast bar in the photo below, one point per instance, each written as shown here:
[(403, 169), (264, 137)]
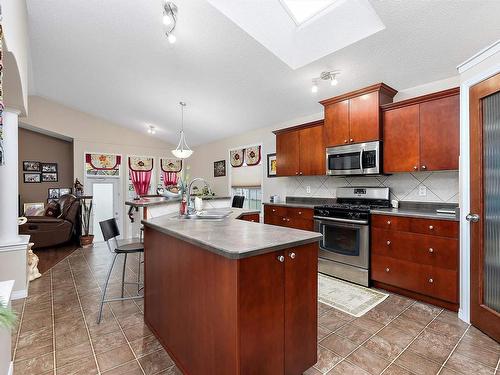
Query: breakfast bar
[(232, 296)]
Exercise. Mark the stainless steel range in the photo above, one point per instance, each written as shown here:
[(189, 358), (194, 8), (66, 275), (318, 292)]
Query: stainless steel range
[(344, 251)]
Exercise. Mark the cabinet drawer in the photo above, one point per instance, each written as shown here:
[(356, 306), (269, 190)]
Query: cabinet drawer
[(424, 279), (299, 213), (433, 227), (431, 250), (443, 228), (274, 210)]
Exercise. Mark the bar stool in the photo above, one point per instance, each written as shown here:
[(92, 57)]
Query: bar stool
[(110, 231)]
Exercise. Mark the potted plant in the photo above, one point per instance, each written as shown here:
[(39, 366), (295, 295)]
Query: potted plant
[(7, 316), (86, 238)]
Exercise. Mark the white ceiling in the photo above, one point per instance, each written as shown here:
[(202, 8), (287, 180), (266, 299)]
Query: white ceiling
[(110, 58), (273, 24)]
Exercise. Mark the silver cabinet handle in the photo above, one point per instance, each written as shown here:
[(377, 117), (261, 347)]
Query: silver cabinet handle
[(292, 255), (387, 269), (473, 218), (284, 219), (431, 280), (351, 140), (388, 222), (300, 212), (281, 258), (296, 172), (300, 173), (274, 210), (287, 219), (424, 167), (431, 250), (388, 243), (415, 167), (345, 140), (431, 227)]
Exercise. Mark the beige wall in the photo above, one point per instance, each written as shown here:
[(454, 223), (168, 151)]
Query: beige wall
[(201, 163), (92, 134), (44, 148)]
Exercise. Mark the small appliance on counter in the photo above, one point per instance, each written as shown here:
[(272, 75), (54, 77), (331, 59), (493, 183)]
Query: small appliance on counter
[(344, 251), (354, 159), (274, 199)]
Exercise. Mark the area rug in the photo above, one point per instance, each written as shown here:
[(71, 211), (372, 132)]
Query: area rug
[(350, 298)]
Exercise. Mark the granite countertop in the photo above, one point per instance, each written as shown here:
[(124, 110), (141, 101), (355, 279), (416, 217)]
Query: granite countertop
[(425, 213), (156, 201), (231, 238)]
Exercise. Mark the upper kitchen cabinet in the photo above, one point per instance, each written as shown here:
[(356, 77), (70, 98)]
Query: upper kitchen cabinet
[(355, 117), (422, 134), (300, 150)]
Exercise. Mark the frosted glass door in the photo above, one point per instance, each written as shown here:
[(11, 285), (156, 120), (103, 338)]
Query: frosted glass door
[(103, 193), (491, 149)]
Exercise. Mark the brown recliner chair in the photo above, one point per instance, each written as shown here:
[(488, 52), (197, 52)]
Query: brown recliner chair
[(48, 231)]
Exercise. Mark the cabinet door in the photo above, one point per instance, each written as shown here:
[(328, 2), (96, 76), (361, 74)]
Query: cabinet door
[(261, 314), (312, 151), (287, 153), (439, 134), (401, 139), (273, 214), (364, 118), (336, 128), (301, 303)]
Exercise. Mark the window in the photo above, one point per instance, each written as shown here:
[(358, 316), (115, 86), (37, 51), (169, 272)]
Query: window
[(253, 196)]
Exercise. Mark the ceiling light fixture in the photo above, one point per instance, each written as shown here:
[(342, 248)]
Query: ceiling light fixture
[(170, 20), (330, 76), (151, 129), (182, 151)]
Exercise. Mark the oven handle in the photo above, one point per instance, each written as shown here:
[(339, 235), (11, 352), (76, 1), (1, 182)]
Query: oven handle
[(361, 160), (350, 221)]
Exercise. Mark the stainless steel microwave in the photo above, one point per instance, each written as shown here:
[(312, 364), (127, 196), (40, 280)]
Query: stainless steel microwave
[(356, 159)]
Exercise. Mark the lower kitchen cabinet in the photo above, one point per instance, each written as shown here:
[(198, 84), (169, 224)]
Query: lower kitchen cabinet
[(416, 257), (250, 217), (291, 217), (281, 309)]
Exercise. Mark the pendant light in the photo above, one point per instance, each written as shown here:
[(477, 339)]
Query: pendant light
[(182, 151)]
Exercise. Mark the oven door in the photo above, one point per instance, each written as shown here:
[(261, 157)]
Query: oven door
[(345, 241)]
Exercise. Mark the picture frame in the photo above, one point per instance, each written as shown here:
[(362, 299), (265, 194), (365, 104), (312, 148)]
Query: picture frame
[(32, 178), (31, 166), (219, 168), (48, 167), (54, 193), (33, 209), (271, 165), (50, 177), (64, 191)]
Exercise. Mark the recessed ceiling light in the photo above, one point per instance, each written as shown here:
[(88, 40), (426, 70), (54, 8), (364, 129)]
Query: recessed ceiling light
[(303, 10)]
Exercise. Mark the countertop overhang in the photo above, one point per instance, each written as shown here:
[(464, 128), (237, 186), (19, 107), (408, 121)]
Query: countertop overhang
[(231, 238), (157, 201)]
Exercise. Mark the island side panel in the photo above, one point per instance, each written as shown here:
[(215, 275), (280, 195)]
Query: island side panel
[(261, 314), (191, 304), (301, 308)]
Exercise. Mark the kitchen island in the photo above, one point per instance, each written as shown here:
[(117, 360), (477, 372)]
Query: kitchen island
[(232, 296)]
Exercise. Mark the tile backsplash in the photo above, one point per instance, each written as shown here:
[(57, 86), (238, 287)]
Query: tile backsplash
[(438, 186)]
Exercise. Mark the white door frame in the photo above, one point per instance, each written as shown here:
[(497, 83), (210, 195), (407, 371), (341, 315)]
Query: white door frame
[(464, 310)]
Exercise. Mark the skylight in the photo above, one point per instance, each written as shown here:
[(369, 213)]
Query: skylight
[(303, 10)]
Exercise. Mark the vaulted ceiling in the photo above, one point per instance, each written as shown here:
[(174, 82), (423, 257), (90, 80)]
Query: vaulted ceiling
[(111, 59)]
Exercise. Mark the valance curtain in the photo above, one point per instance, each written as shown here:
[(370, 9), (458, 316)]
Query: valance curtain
[(252, 155), (102, 164), (170, 169), (237, 157), (140, 173)]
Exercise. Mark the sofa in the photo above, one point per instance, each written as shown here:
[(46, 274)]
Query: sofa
[(47, 231)]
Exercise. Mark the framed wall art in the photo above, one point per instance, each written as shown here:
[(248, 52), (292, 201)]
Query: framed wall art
[(31, 166), (219, 168), (49, 167), (271, 165), (54, 193), (32, 178), (49, 177)]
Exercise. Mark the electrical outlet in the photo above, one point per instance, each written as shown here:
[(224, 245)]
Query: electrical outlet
[(308, 189), (422, 190)]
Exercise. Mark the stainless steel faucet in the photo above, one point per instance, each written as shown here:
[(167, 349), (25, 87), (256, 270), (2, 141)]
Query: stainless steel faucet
[(190, 204)]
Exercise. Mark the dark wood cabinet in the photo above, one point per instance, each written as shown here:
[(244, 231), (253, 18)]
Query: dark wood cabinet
[(250, 217), (355, 117), (300, 150), (416, 257), (422, 134), (291, 217)]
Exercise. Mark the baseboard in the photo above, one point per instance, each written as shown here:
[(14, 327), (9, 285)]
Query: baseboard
[(11, 369), (18, 294)]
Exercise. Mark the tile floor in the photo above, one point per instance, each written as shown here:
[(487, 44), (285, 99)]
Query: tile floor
[(57, 332)]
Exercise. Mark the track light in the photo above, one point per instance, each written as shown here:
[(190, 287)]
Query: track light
[(166, 19), (170, 20), (330, 76), (151, 129), (171, 38)]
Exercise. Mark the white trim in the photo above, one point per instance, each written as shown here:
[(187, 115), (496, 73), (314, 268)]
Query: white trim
[(464, 311), (11, 369), (18, 294), (480, 56)]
